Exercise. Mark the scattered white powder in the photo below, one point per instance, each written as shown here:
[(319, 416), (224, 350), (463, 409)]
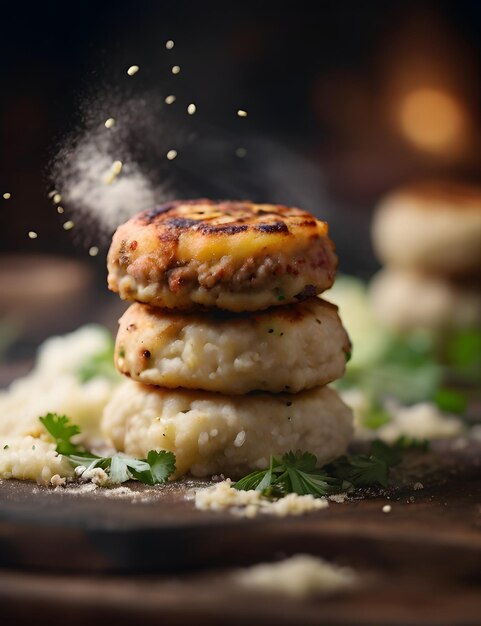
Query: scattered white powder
[(223, 496), (299, 576)]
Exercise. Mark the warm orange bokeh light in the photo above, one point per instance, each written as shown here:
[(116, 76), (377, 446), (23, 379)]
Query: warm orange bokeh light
[(433, 120)]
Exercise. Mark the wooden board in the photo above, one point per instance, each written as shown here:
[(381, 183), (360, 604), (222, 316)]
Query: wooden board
[(64, 552)]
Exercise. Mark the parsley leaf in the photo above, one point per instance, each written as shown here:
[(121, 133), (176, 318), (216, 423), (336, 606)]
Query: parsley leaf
[(62, 431), (154, 470), (297, 472)]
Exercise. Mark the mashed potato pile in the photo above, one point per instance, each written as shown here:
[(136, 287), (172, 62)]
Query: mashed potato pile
[(72, 376)]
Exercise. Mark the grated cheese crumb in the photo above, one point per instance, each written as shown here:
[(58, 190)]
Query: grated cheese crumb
[(299, 576), (340, 498), (223, 496), (57, 480)]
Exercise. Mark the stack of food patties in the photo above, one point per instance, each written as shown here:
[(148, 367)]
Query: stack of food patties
[(429, 237), (228, 346)]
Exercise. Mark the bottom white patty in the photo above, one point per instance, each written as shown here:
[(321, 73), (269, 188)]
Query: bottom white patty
[(212, 433)]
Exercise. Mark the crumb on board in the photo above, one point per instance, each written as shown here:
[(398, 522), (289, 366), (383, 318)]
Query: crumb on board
[(299, 576), (223, 496)]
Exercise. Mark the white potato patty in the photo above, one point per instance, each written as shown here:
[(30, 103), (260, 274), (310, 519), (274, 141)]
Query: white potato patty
[(212, 433), (432, 227), (405, 300), (287, 348)]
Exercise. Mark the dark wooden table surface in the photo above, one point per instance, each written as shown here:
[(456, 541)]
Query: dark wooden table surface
[(82, 558)]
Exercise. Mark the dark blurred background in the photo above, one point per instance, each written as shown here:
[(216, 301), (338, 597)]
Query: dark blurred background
[(344, 103)]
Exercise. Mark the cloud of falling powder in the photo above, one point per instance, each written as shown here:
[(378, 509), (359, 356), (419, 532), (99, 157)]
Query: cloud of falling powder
[(105, 173), (211, 161)]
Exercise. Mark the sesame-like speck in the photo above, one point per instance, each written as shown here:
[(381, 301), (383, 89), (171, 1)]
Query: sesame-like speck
[(241, 153), (169, 99), (60, 209), (386, 508), (240, 439), (176, 69), (418, 486), (242, 113), (7, 195), (57, 198), (68, 225), (32, 234), (133, 69), (93, 251), (171, 154), (109, 123), (191, 109), (114, 171), (169, 44)]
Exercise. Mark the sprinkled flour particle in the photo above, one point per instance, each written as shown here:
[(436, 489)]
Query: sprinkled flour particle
[(240, 439)]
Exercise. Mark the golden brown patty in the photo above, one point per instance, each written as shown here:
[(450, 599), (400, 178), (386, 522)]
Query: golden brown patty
[(236, 256), (283, 349)]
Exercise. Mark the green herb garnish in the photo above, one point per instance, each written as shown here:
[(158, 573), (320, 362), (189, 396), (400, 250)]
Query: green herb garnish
[(154, 470), (297, 472)]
